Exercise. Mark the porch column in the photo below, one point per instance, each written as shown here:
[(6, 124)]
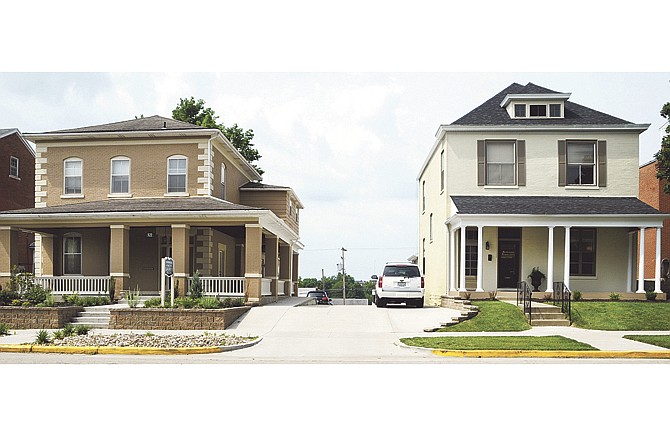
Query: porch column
[(9, 252), (119, 257), (657, 278), (640, 273), (629, 271), (461, 287), (294, 270), (550, 261), (285, 267), (480, 258), (253, 261), (452, 260), (271, 260), (566, 258), (180, 254), (47, 253)]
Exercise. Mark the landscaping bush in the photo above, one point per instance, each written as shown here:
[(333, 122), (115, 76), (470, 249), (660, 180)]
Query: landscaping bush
[(153, 302), (42, 337), (9, 298), (651, 296), (196, 286), (4, 329), (576, 295), (233, 302), (82, 329), (185, 302), (59, 334), (615, 296), (209, 302), (68, 330)]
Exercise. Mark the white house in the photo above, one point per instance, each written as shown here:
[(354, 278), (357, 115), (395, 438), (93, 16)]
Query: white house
[(531, 179)]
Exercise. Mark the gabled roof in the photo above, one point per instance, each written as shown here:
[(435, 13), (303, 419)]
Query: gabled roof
[(491, 113), (151, 123), (551, 205), (258, 186), (4, 132)]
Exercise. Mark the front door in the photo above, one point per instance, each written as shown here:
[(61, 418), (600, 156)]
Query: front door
[(508, 264)]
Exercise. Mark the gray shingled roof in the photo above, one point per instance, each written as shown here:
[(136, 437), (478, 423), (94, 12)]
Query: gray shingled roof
[(6, 131), (543, 205), (151, 123), (490, 112), (137, 205), (259, 185)]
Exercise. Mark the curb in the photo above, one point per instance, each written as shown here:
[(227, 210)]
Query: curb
[(65, 349)]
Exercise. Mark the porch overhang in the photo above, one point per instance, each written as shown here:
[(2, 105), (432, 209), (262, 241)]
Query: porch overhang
[(520, 220)]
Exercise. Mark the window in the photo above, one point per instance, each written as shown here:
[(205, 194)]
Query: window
[(177, 174), (120, 175), (72, 254), (290, 207), (583, 252), (471, 244), (538, 110), (423, 258), (72, 169), (13, 166), (223, 181), (423, 196), (430, 228), (554, 110), (520, 110), (442, 171), (581, 163), (297, 217), (500, 163)]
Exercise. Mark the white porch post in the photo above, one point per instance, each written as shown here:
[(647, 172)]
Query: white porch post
[(461, 287), (550, 261), (640, 273), (566, 259), (657, 278), (452, 259), (629, 277), (480, 258)]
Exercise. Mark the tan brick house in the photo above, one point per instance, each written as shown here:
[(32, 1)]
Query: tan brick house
[(17, 187), (111, 200)]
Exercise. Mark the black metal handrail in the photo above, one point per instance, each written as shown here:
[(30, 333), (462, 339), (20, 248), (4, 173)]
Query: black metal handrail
[(524, 295), (563, 296)]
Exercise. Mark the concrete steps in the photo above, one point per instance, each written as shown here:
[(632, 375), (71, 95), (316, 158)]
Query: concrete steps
[(94, 317), (547, 315)]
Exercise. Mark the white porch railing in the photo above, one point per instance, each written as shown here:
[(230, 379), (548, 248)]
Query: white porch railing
[(221, 286), (280, 287), (84, 285), (266, 289)]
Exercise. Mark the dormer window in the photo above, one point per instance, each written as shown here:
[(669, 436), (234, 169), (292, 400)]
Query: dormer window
[(520, 110), (538, 110), (554, 110)]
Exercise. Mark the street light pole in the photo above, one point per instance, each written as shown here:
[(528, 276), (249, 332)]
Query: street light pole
[(344, 280)]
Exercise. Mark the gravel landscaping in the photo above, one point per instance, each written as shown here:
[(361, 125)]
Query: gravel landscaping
[(152, 341)]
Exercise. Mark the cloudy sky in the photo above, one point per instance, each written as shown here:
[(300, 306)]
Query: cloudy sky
[(350, 144)]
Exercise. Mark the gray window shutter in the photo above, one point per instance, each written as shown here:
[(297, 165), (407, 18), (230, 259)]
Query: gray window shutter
[(602, 163), (521, 162), (562, 163), (481, 163)]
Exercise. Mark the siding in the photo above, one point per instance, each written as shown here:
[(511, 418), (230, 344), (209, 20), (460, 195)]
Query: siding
[(234, 178)]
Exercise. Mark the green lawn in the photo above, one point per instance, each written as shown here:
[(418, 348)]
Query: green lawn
[(621, 315), (658, 340), (494, 316), (498, 343)]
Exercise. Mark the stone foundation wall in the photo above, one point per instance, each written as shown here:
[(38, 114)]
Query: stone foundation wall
[(37, 317), (174, 319)]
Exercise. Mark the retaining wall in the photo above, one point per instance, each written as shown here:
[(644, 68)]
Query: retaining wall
[(174, 319), (37, 317)]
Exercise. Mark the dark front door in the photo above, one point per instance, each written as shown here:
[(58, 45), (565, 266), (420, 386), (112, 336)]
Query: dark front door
[(508, 264)]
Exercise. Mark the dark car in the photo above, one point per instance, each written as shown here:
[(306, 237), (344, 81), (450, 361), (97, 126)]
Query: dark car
[(320, 296)]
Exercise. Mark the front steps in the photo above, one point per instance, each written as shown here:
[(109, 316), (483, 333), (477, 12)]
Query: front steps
[(547, 315), (94, 317)]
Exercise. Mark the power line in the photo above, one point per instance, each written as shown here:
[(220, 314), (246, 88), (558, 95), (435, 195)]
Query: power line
[(360, 249)]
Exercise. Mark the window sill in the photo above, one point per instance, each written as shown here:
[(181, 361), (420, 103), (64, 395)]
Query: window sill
[(72, 196), (501, 186), (583, 277), (176, 194), (14, 177), (581, 187), (120, 196)]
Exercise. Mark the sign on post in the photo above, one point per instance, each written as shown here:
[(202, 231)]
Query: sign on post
[(169, 266), (167, 270)]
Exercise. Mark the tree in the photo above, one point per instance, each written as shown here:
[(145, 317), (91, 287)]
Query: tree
[(663, 155), (194, 112)]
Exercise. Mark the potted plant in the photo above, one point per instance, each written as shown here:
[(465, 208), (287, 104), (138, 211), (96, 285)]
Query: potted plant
[(536, 277)]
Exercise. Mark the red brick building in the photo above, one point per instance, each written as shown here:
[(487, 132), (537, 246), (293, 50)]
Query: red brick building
[(651, 192), (17, 185)]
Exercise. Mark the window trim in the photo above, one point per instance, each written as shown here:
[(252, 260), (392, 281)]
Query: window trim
[(486, 164), (177, 193), (223, 180), (430, 227), (538, 106), (560, 110), (16, 176), (80, 253), (525, 110), (81, 177), (442, 171), (111, 175), (573, 233), (593, 143), (423, 195)]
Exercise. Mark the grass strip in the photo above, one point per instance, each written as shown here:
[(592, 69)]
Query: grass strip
[(494, 316), (499, 343), (623, 315), (658, 340)]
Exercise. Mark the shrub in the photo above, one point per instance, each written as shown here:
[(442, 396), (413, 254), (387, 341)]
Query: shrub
[(71, 299), (112, 289), (17, 302), (4, 329), (615, 296), (59, 334), (233, 302), (42, 337), (196, 286), (68, 330), (133, 297), (209, 302), (36, 294), (576, 295), (82, 329), (651, 296), (153, 302), (185, 302), (7, 297)]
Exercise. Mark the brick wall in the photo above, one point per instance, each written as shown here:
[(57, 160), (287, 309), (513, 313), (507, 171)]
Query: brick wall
[(37, 317), (174, 319), (651, 192)]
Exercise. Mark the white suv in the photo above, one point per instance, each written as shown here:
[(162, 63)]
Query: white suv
[(399, 283)]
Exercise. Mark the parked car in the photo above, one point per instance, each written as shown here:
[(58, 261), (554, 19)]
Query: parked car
[(321, 297), (399, 283)]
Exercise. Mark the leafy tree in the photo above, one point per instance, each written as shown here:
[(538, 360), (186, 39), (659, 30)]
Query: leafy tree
[(194, 112), (663, 155)]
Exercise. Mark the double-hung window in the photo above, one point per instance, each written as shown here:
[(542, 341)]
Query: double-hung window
[(500, 163), (442, 166), (471, 254), (72, 255), (72, 171), (177, 166), (223, 181), (120, 182), (583, 252), (581, 163), (13, 166)]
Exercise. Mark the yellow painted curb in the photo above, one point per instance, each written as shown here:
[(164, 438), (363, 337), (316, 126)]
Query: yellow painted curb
[(65, 349), (15, 348), (554, 354), (68, 349), (150, 350)]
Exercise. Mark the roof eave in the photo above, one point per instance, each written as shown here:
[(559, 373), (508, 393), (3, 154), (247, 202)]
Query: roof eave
[(534, 97), (637, 128), (205, 132)]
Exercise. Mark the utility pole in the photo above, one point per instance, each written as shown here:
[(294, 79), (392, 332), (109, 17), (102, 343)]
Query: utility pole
[(323, 280), (344, 280)]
